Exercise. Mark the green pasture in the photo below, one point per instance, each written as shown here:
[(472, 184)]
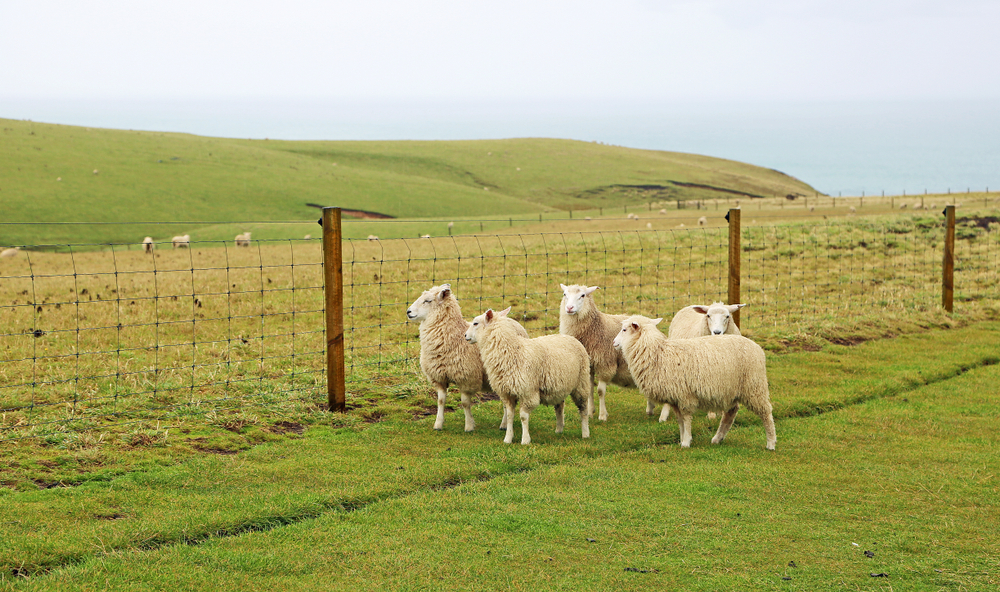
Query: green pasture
[(114, 179), (886, 464)]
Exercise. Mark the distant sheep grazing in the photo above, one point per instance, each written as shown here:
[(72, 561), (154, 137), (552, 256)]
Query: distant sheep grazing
[(182, 241), (902, 206), (445, 356), (535, 371), (11, 252), (147, 244), (702, 221), (372, 237), (243, 240), (712, 373), (579, 317)]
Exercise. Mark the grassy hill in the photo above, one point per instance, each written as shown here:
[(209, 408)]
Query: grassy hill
[(56, 173)]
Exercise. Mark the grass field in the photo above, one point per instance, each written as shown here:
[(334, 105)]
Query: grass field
[(55, 173)]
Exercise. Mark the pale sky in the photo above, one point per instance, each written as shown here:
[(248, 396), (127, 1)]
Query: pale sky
[(522, 50)]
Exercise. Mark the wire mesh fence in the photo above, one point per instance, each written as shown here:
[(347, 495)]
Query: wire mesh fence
[(97, 335)]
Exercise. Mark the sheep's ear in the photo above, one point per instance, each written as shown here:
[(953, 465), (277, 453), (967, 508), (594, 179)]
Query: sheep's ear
[(446, 291), (564, 287), (635, 326), (489, 314), (591, 290), (700, 309), (657, 321), (504, 312), (735, 307)]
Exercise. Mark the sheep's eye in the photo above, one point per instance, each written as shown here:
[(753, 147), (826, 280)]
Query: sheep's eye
[(427, 301)]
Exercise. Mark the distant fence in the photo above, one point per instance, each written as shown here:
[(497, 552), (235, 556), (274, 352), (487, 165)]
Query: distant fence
[(107, 334)]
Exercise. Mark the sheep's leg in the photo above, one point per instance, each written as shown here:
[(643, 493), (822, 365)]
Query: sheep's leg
[(508, 403), (470, 423), (560, 408), (650, 407), (581, 405), (442, 393), (664, 413), (590, 399), (725, 424), (503, 420), (684, 424), (525, 416), (772, 438), (602, 389)]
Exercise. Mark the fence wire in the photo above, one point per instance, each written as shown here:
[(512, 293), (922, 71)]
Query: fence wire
[(98, 335)]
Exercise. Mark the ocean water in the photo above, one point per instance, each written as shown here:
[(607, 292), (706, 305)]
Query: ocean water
[(837, 147)]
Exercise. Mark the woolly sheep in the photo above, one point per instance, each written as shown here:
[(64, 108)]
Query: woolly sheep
[(243, 240), (181, 242), (147, 244), (902, 206), (711, 373), (11, 252), (702, 221), (372, 237), (445, 357), (535, 371), (579, 317), (696, 321), (663, 211)]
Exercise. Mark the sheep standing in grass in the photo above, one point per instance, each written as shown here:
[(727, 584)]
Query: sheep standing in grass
[(445, 356), (147, 244), (711, 373), (181, 242), (243, 240), (696, 321), (702, 221), (533, 372), (579, 317), (11, 252)]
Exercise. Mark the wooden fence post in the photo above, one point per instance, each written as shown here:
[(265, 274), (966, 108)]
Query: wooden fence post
[(333, 284), (733, 217), (948, 278)]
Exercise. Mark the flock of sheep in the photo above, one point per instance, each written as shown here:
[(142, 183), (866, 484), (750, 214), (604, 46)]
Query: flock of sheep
[(703, 364), (183, 241)]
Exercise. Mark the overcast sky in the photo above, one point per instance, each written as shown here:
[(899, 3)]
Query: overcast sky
[(534, 49)]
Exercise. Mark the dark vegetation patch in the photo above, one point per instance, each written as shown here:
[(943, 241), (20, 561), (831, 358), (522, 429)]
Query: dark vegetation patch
[(287, 427), (978, 221)]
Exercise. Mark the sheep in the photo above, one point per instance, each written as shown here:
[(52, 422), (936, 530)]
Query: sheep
[(445, 357), (307, 237), (663, 211), (11, 252), (579, 317), (852, 210), (715, 373), (372, 237), (425, 236), (182, 241), (535, 371), (147, 244), (702, 221), (902, 206), (243, 240), (699, 320)]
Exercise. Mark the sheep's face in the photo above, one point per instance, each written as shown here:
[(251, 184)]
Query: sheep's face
[(631, 328), (479, 324), (428, 301), (718, 316), (575, 298)]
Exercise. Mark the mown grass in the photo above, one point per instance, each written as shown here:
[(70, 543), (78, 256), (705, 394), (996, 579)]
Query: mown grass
[(56, 174), (899, 460)]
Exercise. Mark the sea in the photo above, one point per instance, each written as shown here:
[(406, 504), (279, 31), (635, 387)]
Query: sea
[(838, 147)]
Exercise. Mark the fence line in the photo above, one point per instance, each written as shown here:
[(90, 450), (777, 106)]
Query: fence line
[(92, 338)]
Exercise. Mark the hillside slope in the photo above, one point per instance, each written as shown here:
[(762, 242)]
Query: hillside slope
[(55, 173)]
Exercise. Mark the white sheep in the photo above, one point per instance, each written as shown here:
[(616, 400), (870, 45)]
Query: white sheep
[(243, 240), (539, 371), (11, 252), (372, 237), (711, 373), (663, 211), (902, 206), (147, 244), (445, 356), (425, 236), (702, 221), (579, 317), (182, 241), (697, 321), (852, 209), (307, 237)]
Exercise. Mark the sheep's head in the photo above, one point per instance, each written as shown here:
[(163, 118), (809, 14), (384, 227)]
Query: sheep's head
[(631, 328), (718, 316), (575, 298), (480, 323), (427, 302)]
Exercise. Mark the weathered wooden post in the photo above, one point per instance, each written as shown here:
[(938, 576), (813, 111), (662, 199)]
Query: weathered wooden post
[(948, 278), (333, 276), (733, 217)]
